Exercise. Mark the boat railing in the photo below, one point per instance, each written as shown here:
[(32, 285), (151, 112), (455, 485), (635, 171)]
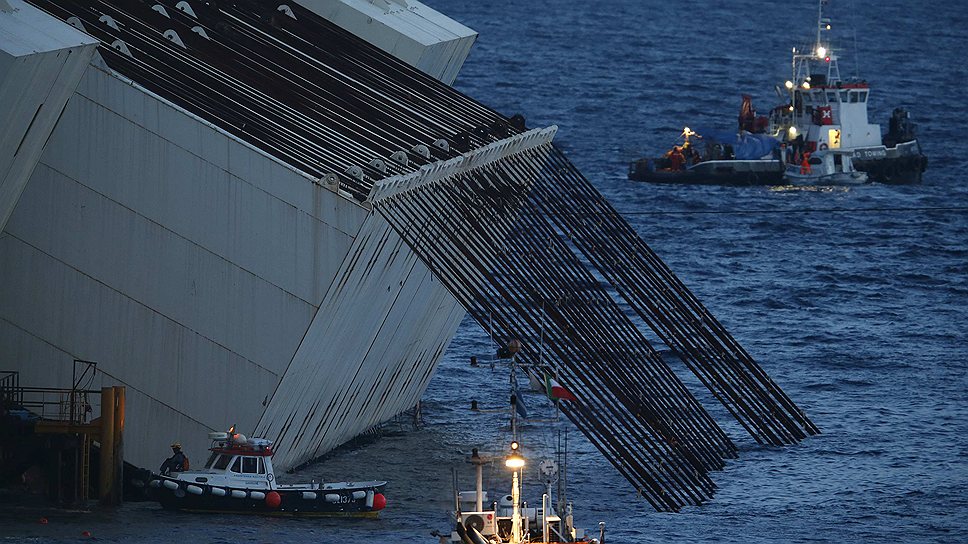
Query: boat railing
[(75, 406)]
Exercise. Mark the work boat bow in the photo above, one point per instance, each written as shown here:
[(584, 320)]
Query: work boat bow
[(827, 167), (238, 478)]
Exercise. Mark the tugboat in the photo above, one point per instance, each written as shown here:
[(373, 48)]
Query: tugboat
[(238, 478), (824, 124), (826, 112)]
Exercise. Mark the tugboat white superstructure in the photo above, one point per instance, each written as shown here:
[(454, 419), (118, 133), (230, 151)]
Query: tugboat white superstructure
[(238, 478)]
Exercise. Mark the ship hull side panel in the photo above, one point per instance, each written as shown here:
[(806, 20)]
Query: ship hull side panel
[(369, 353), (186, 263), (41, 62)]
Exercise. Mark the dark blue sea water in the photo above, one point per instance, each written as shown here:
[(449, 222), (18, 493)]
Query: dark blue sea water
[(860, 315)]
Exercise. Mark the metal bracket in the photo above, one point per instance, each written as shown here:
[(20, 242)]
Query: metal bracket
[(435, 172)]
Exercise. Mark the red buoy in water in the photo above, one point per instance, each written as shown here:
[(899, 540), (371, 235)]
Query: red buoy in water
[(86, 533), (379, 501), (273, 500)]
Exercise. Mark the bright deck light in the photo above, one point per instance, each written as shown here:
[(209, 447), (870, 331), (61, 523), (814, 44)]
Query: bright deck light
[(514, 461), (789, 84), (821, 52), (793, 132)]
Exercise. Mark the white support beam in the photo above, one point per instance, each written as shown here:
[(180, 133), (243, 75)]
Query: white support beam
[(433, 173)]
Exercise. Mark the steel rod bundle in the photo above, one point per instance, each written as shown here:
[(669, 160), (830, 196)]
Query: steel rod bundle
[(535, 253)]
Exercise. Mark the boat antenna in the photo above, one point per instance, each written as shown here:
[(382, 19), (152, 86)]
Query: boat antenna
[(856, 57), (456, 493), (820, 4), (563, 476)]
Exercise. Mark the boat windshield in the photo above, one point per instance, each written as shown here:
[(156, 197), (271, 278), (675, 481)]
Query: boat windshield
[(218, 462)]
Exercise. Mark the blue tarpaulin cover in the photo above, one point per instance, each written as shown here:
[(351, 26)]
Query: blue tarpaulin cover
[(745, 145)]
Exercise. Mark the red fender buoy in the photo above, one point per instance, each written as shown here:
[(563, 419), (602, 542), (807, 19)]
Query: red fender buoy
[(379, 501), (273, 500)]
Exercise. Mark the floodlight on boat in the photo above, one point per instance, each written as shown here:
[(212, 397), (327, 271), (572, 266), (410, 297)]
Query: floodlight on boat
[(789, 84), (515, 460), (828, 26), (793, 132), (805, 85), (821, 52)]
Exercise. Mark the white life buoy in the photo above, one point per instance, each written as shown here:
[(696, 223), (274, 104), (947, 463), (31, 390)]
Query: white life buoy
[(823, 147)]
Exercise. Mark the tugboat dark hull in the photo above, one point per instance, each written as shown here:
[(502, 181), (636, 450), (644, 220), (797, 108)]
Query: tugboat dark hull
[(903, 163), (364, 501)]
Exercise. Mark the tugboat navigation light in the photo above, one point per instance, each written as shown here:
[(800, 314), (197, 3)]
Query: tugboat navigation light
[(514, 461), (806, 84), (821, 52), (515, 446), (789, 84), (793, 132)]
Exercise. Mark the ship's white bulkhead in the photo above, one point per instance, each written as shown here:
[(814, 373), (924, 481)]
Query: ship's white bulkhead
[(848, 126)]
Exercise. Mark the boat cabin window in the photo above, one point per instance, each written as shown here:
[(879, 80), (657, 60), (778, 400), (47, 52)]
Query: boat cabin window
[(863, 97), (250, 465), (262, 466), (222, 462), (831, 97), (853, 97), (237, 465), (845, 94), (211, 460)]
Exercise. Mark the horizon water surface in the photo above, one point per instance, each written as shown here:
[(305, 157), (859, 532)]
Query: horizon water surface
[(854, 300)]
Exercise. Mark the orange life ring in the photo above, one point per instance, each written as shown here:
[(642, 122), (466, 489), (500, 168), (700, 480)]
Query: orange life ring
[(823, 147)]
